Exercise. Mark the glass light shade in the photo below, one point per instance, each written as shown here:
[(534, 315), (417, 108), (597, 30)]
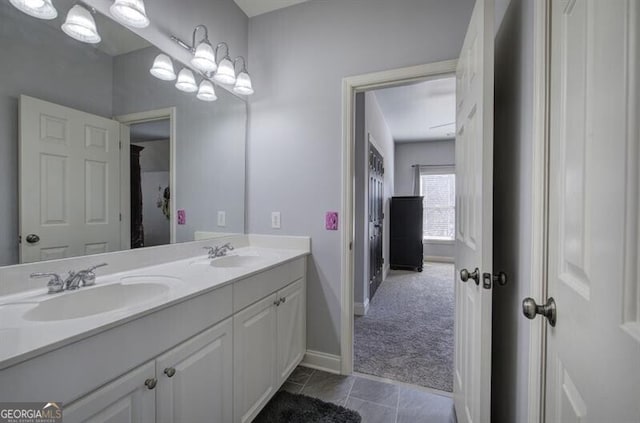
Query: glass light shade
[(243, 84), (204, 59), (163, 68), (186, 82), (225, 73), (41, 9), (206, 91), (81, 26), (130, 13)]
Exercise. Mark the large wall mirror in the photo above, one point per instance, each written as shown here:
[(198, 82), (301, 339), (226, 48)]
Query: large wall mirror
[(97, 155)]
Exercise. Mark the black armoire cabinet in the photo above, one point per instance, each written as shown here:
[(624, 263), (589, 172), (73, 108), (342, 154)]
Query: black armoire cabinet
[(405, 249)]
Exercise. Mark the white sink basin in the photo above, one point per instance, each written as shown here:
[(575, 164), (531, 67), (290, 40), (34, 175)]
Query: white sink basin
[(237, 261), (131, 291)]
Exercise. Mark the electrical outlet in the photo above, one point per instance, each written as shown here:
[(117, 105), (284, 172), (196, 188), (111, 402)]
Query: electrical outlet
[(182, 217), (222, 218), (275, 220)]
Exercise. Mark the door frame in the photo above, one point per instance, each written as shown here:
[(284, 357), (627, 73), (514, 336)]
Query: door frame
[(150, 116), (540, 205), (350, 86)]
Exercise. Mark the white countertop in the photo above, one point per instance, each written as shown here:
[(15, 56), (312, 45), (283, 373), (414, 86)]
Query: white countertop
[(22, 339)]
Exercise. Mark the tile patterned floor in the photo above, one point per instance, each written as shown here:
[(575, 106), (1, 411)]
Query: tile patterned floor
[(376, 401)]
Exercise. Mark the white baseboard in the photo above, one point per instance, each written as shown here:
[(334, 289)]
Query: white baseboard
[(385, 272), (321, 361), (360, 309), (439, 259)]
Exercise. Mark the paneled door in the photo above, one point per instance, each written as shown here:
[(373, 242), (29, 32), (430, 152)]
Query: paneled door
[(69, 182), (474, 215), (376, 218), (593, 352)]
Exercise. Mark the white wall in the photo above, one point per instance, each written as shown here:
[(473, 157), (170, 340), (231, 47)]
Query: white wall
[(512, 211), (299, 56), (424, 153)]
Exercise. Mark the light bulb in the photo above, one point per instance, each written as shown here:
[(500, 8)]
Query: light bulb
[(41, 9), (206, 91), (204, 59), (130, 13), (163, 68), (225, 73), (243, 84), (186, 82), (81, 26)]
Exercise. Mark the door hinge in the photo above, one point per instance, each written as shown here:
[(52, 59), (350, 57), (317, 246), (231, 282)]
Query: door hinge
[(120, 145), (120, 217)]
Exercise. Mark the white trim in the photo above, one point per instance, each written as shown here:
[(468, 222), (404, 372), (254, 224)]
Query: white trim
[(149, 116), (539, 252), (351, 85), (438, 241), (321, 361), (439, 259), (360, 309)]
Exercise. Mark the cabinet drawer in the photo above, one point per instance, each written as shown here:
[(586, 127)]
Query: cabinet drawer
[(248, 291)]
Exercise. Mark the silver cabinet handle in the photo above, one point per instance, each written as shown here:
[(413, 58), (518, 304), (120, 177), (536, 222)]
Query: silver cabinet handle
[(283, 299), (151, 383), (549, 310), (276, 302), (170, 371)]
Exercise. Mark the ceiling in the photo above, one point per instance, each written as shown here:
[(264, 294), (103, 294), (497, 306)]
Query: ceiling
[(424, 111), (258, 7)]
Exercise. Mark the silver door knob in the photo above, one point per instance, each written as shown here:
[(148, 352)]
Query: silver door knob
[(32, 238), (530, 309), (465, 275)]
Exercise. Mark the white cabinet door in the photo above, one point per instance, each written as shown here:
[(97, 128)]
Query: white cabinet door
[(125, 400), (474, 217), (195, 379), (69, 182), (255, 364), (593, 352), (291, 328)]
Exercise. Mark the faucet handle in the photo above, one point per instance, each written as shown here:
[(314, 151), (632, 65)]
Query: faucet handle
[(88, 277), (211, 251), (228, 246), (55, 284)]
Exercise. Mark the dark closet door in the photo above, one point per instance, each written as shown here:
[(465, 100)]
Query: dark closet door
[(137, 228), (376, 217)]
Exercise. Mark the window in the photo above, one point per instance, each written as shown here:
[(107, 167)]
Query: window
[(439, 217)]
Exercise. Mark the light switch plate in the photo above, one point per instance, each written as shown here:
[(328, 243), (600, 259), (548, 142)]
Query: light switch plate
[(182, 217), (275, 220), (331, 221), (222, 218)]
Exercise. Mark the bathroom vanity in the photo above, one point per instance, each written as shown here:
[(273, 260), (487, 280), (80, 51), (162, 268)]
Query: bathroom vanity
[(190, 340)]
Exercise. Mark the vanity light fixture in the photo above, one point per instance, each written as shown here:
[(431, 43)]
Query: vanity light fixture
[(163, 68), (80, 25), (130, 13), (225, 74), (41, 9), (243, 80), (186, 82), (206, 91)]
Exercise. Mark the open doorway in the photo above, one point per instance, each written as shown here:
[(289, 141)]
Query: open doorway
[(148, 142), (404, 248)]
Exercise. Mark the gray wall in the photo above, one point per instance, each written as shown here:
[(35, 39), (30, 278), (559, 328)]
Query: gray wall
[(75, 75), (424, 153), (512, 211), (299, 56), (210, 147)]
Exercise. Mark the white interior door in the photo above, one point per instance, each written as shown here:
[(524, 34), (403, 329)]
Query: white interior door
[(474, 215), (69, 182), (593, 352)]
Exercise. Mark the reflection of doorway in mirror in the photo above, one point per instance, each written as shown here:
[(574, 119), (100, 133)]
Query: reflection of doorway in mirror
[(150, 145)]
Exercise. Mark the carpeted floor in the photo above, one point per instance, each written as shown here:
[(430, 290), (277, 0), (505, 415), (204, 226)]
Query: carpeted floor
[(286, 407), (407, 335)]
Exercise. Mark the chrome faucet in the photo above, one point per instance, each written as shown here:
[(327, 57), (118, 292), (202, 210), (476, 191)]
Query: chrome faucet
[(219, 251), (85, 277)]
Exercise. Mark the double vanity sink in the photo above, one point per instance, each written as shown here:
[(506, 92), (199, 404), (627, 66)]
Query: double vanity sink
[(149, 339)]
